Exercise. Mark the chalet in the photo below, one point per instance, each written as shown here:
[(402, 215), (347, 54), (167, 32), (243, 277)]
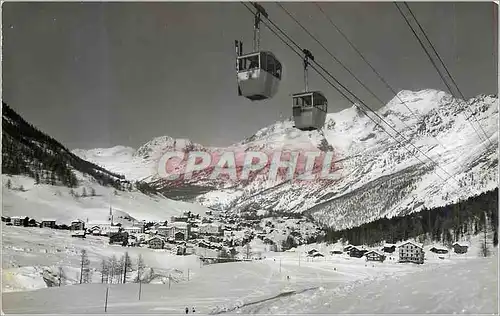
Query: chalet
[(6, 219), (156, 243), (348, 248), (460, 248), (317, 254), (119, 238), (312, 252), (356, 252), (336, 252), (77, 224), (411, 252), (438, 250), (389, 248), (48, 223), (374, 256), (78, 233), (19, 220)]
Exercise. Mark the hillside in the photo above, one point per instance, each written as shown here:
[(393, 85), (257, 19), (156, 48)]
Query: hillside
[(43, 179), (379, 176)]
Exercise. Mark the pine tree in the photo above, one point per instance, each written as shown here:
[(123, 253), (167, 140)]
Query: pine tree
[(92, 191), (84, 192), (9, 184)]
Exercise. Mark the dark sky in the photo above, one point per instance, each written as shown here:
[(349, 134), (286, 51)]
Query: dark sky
[(105, 74)]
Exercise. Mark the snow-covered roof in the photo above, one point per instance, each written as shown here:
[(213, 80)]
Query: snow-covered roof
[(376, 252), (77, 221), (460, 244), (179, 224), (155, 237), (48, 220), (162, 227), (411, 242)]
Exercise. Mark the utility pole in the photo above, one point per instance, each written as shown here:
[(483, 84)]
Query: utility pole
[(106, 301), (169, 280), (140, 288), (280, 265), (188, 274)]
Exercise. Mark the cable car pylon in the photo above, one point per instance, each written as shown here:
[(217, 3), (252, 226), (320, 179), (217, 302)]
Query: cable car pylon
[(309, 107), (259, 72)]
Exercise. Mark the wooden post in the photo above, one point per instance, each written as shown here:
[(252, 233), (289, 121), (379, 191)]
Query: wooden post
[(140, 289), (106, 302), (188, 274)]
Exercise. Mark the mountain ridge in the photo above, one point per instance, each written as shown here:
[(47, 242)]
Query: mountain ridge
[(437, 125)]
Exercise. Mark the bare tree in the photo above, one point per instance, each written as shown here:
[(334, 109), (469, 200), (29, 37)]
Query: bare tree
[(113, 265), (127, 266), (61, 276), (104, 271), (84, 267), (140, 268), (248, 251), (120, 268)]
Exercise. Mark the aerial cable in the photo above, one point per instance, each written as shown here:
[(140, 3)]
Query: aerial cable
[(347, 98), (437, 68)]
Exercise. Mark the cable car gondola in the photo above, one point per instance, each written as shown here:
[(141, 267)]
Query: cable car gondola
[(258, 73), (309, 107)]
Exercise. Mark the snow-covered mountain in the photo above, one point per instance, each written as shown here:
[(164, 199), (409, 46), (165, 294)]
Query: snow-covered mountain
[(379, 176)]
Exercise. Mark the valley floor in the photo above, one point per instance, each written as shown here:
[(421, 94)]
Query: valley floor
[(333, 284)]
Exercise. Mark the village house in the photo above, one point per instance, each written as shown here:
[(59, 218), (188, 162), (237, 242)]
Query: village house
[(132, 229), (374, 256), (388, 248), (48, 223), (103, 229), (179, 231), (77, 224), (438, 250), (78, 233), (19, 220), (411, 252), (162, 230), (356, 252), (120, 238), (209, 229), (156, 242), (460, 248)]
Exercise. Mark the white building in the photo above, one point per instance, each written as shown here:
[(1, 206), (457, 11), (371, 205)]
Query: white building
[(411, 252), (132, 229), (209, 229)]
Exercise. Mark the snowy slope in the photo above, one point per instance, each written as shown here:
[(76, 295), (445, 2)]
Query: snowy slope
[(379, 176), (46, 201)]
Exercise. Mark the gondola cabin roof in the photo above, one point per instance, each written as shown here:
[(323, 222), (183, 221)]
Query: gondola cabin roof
[(257, 53), (308, 93)]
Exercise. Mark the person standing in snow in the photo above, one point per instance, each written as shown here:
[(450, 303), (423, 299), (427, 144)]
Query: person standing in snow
[(193, 310), (187, 310)]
